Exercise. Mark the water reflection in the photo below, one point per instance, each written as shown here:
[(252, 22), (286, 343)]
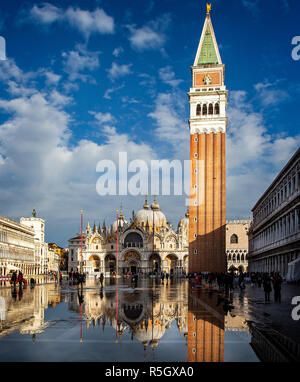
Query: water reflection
[(149, 322), (145, 313), (23, 309), (205, 327)]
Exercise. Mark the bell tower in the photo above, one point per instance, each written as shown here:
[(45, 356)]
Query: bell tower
[(208, 124)]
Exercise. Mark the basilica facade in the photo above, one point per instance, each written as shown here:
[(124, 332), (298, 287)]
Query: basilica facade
[(147, 243)]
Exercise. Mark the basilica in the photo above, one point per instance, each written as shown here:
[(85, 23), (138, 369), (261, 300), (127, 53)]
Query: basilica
[(145, 244)]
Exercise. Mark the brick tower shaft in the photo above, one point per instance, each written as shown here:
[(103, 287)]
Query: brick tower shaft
[(208, 123)]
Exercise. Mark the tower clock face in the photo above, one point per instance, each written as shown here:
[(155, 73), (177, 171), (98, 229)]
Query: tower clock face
[(214, 78), (207, 79)]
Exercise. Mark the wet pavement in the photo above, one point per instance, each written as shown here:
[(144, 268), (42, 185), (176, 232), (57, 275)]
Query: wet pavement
[(149, 322)]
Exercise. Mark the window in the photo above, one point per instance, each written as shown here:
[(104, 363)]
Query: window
[(196, 155), (210, 109), (195, 235), (234, 239), (204, 109), (195, 219), (196, 139), (217, 108), (195, 251), (198, 109)]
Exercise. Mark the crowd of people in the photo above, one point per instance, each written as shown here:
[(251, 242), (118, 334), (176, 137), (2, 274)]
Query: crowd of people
[(230, 280)]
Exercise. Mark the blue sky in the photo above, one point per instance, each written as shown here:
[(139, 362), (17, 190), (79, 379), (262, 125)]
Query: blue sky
[(84, 80)]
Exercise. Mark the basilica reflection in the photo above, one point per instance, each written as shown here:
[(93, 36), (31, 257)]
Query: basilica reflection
[(145, 313)]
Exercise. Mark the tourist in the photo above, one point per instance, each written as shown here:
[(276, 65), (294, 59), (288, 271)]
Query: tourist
[(14, 278), (259, 280), (267, 287), (101, 279), (20, 278), (241, 281)]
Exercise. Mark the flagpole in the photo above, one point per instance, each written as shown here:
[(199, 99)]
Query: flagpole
[(117, 272), (81, 241)]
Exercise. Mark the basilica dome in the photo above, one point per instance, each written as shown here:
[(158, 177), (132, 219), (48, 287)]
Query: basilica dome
[(144, 335), (144, 217)]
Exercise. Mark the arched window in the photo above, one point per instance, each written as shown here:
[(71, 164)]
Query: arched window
[(210, 109), (133, 239), (204, 109), (217, 108), (234, 239), (198, 109)]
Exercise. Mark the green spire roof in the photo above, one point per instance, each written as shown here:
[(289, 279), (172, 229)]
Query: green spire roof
[(208, 54)]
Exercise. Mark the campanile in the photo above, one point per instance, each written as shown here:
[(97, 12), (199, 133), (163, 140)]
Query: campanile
[(208, 123)]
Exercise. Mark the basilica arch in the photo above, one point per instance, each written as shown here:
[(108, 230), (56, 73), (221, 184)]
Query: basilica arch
[(110, 264), (94, 264), (131, 262), (171, 264), (154, 263)]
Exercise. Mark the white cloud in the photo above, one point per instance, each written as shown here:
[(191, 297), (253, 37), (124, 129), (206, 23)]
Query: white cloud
[(78, 61), (168, 76), (112, 90), (117, 71), (52, 78), (118, 51), (41, 168), (269, 95), (128, 100), (47, 13), (172, 126), (58, 99), (87, 22), (103, 118), (150, 36)]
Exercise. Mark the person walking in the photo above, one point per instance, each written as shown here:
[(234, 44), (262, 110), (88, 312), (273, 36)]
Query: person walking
[(14, 278), (20, 279), (241, 281), (101, 279), (267, 287)]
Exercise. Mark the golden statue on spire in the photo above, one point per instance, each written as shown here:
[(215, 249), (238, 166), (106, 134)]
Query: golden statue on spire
[(208, 8)]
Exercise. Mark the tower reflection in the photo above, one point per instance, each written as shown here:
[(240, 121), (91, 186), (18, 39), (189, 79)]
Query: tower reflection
[(206, 318)]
